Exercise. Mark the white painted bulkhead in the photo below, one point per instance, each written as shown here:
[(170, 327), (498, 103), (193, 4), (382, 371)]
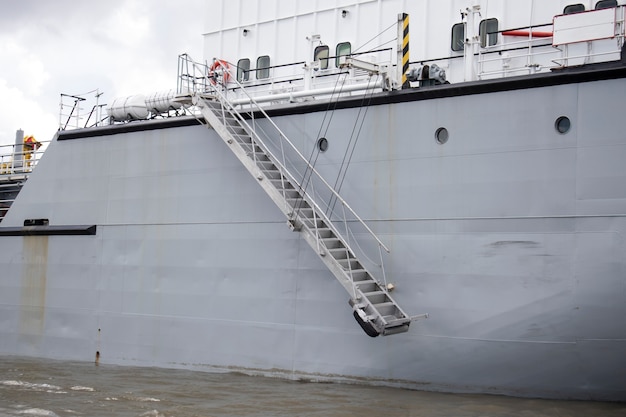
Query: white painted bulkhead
[(282, 29)]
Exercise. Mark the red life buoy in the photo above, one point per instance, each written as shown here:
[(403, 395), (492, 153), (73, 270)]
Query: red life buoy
[(219, 68)]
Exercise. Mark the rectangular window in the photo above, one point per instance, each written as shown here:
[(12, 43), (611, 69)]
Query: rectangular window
[(343, 49), (606, 4), (321, 54), (458, 37), (574, 8), (488, 31), (263, 67), (243, 70)]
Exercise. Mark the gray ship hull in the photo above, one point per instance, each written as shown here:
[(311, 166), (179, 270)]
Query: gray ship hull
[(510, 235)]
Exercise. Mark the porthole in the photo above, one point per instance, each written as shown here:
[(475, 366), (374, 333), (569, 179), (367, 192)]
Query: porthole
[(441, 135), (322, 144), (562, 124)]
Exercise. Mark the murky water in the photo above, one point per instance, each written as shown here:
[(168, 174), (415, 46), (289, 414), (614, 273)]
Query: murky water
[(34, 387)]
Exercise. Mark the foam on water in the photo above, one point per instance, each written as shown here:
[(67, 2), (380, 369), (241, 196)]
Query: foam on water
[(38, 412), (142, 399), (30, 387), (80, 388), (152, 413)]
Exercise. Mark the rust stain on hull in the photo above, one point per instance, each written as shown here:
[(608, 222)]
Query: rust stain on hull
[(33, 284)]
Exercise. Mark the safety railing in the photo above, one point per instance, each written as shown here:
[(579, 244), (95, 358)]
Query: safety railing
[(81, 111), (529, 55), (328, 204), (16, 164), (532, 49), (19, 159), (294, 82), (591, 37), (8, 192), (523, 50)]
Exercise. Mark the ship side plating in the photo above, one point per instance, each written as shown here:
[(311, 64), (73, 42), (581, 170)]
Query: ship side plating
[(502, 202)]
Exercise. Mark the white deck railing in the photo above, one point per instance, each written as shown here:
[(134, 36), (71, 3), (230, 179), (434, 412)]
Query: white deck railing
[(17, 159)]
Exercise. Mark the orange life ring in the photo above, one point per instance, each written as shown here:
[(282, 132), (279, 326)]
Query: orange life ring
[(214, 71)]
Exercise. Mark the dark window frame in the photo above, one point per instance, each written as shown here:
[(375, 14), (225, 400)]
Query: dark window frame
[(243, 72), (324, 60), (606, 4), (574, 8), (262, 70), (488, 36), (455, 39), (339, 54)]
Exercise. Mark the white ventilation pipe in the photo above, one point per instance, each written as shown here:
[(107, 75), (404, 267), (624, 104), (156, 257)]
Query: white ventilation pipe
[(309, 93)]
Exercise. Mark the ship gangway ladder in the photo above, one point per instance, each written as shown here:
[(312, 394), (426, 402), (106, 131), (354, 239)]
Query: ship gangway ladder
[(373, 307)]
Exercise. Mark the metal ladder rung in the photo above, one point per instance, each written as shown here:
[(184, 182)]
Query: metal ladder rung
[(347, 264), (367, 286), (294, 201), (306, 212), (271, 174), (372, 283), (256, 156), (358, 275), (314, 224), (359, 271), (342, 253), (266, 164), (332, 242), (240, 134), (386, 309), (395, 320), (324, 232), (373, 293), (283, 184), (377, 297), (286, 182), (229, 117)]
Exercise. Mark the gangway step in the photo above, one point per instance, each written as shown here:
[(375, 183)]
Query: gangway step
[(386, 309), (269, 165), (366, 286), (242, 139), (271, 174), (341, 253), (376, 297), (349, 264), (332, 243), (358, 275)]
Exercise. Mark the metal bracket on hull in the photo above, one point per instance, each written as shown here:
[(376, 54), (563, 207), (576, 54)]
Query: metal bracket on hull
[(370, 67)]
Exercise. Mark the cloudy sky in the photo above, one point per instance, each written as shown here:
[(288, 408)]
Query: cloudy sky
[(121, 47)]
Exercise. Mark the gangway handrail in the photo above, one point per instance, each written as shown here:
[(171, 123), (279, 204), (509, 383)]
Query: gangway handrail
[(312, 169)]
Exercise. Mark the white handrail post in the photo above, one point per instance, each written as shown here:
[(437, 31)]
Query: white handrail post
[(470, 42), (382, 265)]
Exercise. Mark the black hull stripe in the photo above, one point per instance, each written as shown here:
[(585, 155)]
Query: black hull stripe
[(570, 76)]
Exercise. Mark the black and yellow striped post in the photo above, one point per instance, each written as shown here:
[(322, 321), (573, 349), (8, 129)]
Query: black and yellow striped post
[(403, 49)]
